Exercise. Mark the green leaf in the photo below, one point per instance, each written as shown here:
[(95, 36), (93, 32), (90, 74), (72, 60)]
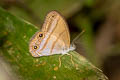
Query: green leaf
[(15, 34)]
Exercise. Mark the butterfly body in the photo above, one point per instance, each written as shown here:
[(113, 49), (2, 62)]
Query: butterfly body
[(54, 37)]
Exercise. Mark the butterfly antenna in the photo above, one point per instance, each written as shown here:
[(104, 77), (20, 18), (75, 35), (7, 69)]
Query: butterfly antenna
[(79, 35)]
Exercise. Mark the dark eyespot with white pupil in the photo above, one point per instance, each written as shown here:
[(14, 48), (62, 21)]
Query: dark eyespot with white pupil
[(40, 35), (35, 47)]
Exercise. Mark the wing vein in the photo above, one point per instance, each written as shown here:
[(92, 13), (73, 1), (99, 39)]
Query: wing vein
[(56, 41)]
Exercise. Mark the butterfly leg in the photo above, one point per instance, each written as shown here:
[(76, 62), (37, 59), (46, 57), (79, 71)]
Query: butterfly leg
[(60, 61), (72, 60)]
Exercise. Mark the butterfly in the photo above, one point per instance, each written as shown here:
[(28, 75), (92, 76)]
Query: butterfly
[(53, 38)]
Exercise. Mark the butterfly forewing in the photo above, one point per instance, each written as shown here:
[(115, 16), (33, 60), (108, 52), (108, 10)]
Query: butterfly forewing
[(56, 36), (55, 24)]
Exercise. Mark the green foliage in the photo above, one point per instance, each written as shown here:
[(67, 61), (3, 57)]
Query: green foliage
[(39, 8), (14, 39)]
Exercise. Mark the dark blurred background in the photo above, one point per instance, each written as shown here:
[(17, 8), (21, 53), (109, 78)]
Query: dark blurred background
[(100, 19)]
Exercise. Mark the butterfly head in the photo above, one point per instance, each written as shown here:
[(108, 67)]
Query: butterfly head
[(35, 43)]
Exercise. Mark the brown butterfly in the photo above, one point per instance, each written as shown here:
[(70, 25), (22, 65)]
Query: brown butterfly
[(54, 37)]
